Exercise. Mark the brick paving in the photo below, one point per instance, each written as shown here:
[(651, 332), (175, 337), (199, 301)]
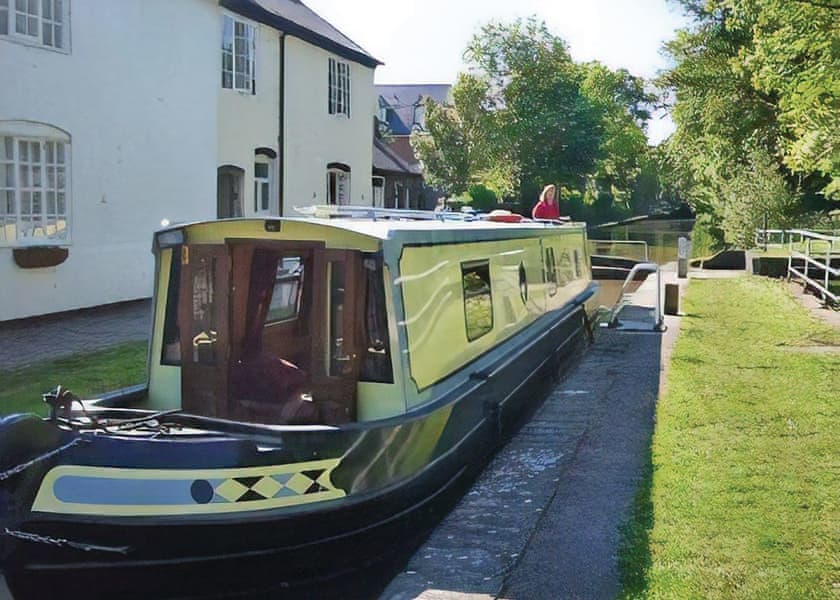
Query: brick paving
[(26, 342)]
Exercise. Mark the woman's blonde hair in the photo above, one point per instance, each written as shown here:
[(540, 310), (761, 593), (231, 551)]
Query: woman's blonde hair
[(550, 187)]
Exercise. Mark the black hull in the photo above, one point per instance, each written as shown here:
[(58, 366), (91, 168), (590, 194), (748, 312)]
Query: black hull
[(284, 552)]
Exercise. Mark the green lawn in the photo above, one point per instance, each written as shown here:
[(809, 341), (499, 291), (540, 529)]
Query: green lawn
[(86, 375), (741, 498)]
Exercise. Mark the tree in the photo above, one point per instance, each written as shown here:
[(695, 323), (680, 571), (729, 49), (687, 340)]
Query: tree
[(756, 87), (525, 115)]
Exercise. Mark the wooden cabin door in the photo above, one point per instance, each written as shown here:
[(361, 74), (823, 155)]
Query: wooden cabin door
[(334, 386), (204, 329)]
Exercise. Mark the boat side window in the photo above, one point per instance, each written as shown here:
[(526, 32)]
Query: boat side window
[(550, 271), (285, 297), (376, 365), (478, 298), (171, 348)]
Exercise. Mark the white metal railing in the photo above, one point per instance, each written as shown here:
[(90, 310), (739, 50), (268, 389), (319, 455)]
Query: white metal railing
[(622, 300), (775, 238), (817, 259), (605, 248)]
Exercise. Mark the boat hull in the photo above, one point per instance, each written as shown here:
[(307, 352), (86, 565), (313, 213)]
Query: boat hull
[(397, 478)]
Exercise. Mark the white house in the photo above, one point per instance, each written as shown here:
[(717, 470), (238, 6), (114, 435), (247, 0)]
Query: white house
[(117, 115)]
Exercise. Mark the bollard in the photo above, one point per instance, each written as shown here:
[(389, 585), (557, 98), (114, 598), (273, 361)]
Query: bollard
[(683, 248), (672, 299)]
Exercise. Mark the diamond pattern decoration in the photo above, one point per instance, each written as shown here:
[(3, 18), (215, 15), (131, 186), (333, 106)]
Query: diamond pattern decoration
[(231, 490), (266, 487)]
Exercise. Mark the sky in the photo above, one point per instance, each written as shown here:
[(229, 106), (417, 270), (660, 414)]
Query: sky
[(423, 42)]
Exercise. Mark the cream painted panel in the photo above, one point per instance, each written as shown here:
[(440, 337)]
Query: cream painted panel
[(430, 284), (313, 137), (133, 95)]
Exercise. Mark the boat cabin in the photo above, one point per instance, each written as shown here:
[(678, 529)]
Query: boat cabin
[(327, 321)]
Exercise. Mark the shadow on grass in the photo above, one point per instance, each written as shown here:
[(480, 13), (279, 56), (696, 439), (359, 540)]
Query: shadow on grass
[(634, 558)]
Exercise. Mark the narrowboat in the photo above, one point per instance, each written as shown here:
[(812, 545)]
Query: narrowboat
[(314, 384)]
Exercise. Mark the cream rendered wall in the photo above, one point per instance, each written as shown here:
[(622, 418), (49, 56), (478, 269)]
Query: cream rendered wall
[(313, 137), (250, 121), (137, 95)]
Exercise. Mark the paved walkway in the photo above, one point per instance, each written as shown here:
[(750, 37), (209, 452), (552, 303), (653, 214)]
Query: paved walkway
[(542, 521), (29, 341)]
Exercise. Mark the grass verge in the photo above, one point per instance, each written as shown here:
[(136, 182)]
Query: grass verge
[(740, 498), (86, 374)]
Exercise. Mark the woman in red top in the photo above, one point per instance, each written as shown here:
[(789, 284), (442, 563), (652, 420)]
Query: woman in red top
[(547, 207)]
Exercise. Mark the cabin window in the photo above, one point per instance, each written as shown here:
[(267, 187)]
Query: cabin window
[(288, 283), (205, 327), (376, 365), (550, 271), (339, 361), (171, 350), (478, 298)]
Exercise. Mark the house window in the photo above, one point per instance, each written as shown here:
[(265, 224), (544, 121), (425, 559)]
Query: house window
[(478, 299), (238, 52), (262, 185), (36, 21), (339, 88), (34, 190), (338, 184)]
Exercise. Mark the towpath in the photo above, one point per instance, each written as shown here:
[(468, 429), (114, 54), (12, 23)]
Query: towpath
[(543, 519), (31, 341)]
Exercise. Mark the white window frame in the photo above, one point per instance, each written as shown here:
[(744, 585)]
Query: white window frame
[(263, 186), (342, 187), (338, 87), (49, 225), (244, 78), (36, 24)]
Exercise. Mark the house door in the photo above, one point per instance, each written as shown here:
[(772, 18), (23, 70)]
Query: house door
[(229, 192), (336, 381), (203, 315), (378, 192)]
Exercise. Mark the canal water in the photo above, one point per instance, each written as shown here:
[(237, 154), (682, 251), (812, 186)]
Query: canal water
[(661, 236), (662, 239)]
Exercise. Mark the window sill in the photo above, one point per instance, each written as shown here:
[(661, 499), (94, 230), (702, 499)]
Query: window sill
[(39, 257), (31, 44)]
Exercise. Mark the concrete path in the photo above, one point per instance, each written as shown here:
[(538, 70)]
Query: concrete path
[(29, 341), (543, 519)]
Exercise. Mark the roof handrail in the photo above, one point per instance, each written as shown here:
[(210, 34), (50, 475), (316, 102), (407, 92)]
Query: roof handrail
[(332, 211)]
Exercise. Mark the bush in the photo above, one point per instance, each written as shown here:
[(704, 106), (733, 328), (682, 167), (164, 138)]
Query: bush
[(483, 199)]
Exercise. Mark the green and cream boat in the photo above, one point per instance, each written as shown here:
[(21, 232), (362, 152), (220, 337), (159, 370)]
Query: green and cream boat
[(316, 385)]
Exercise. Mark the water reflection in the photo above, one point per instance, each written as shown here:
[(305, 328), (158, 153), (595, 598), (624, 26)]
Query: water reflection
[(660, 235)]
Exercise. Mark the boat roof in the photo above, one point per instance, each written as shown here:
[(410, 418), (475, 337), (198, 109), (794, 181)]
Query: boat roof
[(388, 229), (400, 225)]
